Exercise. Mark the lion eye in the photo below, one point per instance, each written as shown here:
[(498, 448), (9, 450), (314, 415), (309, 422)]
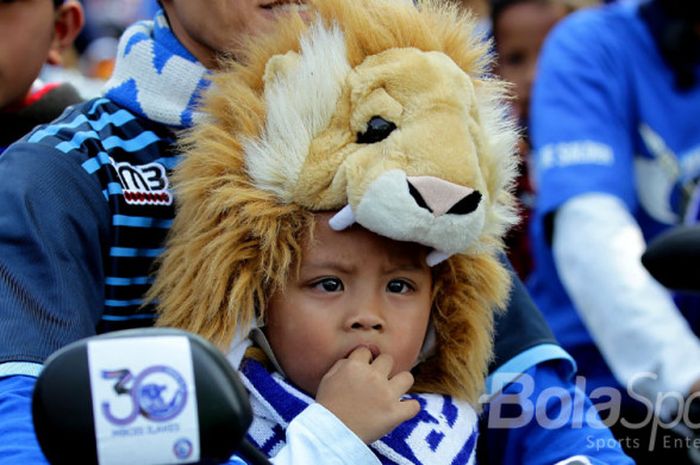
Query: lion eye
[(377, 129)]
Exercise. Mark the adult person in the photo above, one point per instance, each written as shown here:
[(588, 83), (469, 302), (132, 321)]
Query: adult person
[(613, 123), (85, 200)]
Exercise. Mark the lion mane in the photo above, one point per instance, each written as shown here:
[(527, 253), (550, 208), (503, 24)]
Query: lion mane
[(282, 139)]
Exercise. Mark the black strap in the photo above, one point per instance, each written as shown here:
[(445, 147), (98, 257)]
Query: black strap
[(521, 327)]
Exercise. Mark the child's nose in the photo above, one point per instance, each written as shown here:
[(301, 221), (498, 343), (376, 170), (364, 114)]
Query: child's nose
[(367, 316), (367, 323)]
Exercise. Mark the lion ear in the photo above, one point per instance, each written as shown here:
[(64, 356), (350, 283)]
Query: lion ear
[(280, 66)]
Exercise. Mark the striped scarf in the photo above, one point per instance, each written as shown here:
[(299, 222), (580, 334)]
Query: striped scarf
[(155, 76), (444, 431)]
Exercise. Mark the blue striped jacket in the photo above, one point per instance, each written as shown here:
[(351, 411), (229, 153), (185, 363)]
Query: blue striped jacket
[(85, 205)]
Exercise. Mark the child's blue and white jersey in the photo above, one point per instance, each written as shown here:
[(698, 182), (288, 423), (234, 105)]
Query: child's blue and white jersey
[(608, 118), (92, 190)]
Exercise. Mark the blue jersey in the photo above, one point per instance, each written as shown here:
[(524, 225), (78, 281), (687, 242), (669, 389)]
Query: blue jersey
[(91, 191), (607, 117)]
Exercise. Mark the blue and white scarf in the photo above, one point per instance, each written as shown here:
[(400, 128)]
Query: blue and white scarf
[(444, 431), (155, 76)]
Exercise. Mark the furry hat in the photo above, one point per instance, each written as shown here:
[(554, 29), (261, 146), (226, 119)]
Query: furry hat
[(376, 108)]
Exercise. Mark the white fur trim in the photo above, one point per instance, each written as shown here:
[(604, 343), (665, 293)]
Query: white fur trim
[(300, 105), (500, 138)]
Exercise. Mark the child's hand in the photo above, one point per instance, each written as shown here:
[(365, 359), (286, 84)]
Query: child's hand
[(359, 392)]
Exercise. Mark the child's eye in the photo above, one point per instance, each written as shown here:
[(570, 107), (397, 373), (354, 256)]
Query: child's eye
[(328, 285), (399, 286)]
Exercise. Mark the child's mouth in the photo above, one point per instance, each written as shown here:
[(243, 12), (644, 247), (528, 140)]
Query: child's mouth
[(373, 348)]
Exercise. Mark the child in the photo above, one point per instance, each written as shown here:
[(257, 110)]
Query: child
[(33, 32), (364, 114), (346, 329), (343, 115)]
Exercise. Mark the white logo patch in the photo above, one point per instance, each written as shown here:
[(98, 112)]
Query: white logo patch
[(144, 184)]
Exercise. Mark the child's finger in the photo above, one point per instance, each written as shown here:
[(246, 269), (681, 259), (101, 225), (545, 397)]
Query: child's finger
[(401, 382), (361, 354), (408, 408), (334, 369), (383, 364)]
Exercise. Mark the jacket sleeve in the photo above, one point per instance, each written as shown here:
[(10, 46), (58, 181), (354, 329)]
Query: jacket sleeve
[(318, 436), (598, 245), (54, 224)]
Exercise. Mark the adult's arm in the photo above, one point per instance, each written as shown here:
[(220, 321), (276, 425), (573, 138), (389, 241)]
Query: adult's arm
[(52, 217), (597, 247)]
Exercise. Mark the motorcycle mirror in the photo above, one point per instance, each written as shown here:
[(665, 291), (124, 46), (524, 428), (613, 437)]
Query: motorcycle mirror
[(140, 397)]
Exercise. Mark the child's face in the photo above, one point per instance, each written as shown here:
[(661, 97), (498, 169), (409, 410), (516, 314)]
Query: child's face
[(520, 30), (209, 27), (354, 289), (26, 35)]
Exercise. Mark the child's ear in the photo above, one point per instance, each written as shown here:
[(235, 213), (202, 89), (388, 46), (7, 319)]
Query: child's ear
[(68, 22)]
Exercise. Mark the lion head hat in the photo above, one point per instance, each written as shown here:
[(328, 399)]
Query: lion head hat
[(381, 110)]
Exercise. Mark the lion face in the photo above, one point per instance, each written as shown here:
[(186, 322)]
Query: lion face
[(396, 143)]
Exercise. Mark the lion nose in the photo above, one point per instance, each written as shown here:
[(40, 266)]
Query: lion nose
[(439, 196)]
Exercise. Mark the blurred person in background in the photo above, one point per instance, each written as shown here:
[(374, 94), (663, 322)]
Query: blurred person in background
[(480, 10), (614, 123), (105, 21), (518, 28), (32, 33), (85, 200), (529, 364)]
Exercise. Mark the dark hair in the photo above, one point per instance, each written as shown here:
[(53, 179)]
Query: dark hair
[(57, 3)]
